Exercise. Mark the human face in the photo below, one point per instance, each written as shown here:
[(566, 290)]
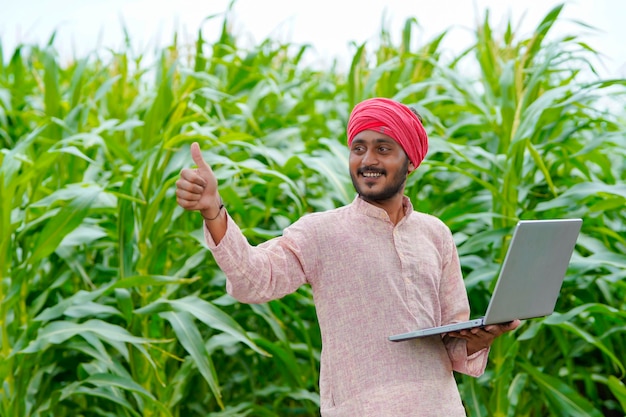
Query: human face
[(378, 166)]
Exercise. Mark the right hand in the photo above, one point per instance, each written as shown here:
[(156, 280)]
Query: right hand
[(197, 188)]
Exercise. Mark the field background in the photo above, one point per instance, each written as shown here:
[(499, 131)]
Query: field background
[(112, 306)]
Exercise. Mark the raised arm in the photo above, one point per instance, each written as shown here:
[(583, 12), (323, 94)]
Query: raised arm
[(197, 190)]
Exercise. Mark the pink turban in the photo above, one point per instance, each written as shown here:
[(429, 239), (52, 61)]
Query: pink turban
[(394, 120)]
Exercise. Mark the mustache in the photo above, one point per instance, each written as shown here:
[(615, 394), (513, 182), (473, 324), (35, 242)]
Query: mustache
[(371, 169)]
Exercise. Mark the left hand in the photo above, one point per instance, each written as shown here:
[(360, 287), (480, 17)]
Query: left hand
[(480, 338)]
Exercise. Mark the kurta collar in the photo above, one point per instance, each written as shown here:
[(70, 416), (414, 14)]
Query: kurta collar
[(371, 210)]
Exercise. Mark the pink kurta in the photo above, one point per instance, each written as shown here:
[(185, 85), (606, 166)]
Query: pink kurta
[(370, 279)]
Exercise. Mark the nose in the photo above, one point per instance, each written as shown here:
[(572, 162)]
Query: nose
[(369, 158)]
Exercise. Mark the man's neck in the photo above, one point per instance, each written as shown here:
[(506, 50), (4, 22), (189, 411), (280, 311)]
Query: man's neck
[(393, 206)]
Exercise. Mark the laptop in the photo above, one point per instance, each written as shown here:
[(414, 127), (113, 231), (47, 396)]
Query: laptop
[(530, 277)]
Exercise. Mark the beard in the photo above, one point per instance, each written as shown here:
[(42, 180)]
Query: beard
[(393, 188)]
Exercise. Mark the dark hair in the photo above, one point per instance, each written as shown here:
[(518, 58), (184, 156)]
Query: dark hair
[(419, 116)]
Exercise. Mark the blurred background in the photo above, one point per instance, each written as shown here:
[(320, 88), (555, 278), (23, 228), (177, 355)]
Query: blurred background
[(328, 25)]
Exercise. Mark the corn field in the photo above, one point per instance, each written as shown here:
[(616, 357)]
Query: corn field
[(111, 305)]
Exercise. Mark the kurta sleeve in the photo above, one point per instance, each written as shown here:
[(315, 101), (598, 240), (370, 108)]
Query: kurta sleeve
[(473, 365), (455, 308), (257, 274)]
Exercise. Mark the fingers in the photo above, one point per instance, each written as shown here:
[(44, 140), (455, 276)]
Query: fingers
[(499, 329), (186, 204), (187, 196), (189, 189), (473, 333), (458, 335), (190, 178)]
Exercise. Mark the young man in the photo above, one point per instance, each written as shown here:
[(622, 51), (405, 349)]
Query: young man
[(376, 268)]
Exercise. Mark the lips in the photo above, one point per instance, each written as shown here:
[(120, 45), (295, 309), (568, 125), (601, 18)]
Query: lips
[(371, 173)]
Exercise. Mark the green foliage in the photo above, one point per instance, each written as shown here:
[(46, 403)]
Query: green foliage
[(111, 304)]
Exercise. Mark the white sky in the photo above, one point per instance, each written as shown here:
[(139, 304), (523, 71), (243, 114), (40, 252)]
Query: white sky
[(328, 25)]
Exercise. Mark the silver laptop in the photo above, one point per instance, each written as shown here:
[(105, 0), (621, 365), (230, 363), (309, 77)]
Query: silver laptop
[(530, 278)]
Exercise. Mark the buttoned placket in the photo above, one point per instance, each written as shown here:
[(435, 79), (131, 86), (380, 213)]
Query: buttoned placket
[(407, 270)]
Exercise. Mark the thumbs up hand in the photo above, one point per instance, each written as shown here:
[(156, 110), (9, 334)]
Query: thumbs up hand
[(197, 188)]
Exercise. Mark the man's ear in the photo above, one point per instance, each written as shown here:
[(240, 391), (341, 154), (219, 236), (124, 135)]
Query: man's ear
[(411, 167)]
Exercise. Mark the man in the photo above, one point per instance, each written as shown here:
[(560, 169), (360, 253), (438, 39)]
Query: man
[(376, 268)]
